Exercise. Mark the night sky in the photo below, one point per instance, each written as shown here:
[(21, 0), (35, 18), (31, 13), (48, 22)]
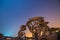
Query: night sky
[(14, 13)]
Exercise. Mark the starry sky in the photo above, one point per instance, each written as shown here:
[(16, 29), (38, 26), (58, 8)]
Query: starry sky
[(14, 13)]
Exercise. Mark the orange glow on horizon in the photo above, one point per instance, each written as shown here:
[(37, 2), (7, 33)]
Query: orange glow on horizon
[(28, 34)]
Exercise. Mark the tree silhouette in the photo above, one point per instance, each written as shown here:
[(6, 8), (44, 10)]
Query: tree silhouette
[(1, 35)]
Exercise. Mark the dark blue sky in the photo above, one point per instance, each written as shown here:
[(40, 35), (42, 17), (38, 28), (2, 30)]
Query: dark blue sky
[(14, 13)]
